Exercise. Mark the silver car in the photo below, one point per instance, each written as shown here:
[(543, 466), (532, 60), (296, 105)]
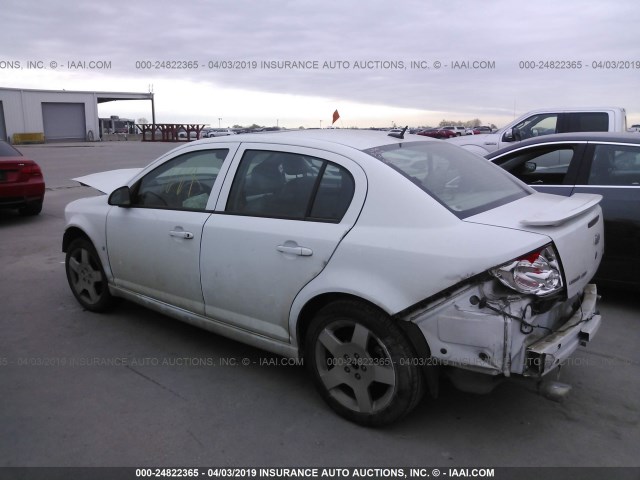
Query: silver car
[(383, 262)]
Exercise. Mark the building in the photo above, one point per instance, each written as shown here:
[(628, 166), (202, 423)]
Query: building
[(35, 116)]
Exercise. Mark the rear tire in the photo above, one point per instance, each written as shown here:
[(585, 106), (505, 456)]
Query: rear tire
[(361, 363), (30, 209), (86, 276)]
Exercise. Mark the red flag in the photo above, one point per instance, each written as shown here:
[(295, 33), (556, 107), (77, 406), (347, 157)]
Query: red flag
[(336, 116)]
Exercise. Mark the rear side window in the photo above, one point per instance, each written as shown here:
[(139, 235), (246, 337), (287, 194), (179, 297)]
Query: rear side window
[(7, 150), (615, 165), (587, 122), (290, 185)]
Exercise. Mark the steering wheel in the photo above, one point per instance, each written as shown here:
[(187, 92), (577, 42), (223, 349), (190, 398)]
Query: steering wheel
[(195, 188), (155, 195), (517, 134)]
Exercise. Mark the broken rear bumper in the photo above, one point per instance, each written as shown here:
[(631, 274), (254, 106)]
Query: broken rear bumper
[(549, 352)]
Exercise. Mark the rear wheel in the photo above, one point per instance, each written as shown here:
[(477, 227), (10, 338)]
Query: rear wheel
[(29, 209), (361, 363), (86, 277)]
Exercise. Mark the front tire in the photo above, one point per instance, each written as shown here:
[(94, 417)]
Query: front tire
[(361, 363), (86, 276)]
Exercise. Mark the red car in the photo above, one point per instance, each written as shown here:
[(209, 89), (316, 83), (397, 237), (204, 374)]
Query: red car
[(21, 182), (437, 133)]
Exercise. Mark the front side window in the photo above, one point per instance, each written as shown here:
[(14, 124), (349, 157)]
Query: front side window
[(541, 166), (183, 183), (615, 165), (290, 185), (463, 182), (535, 126)]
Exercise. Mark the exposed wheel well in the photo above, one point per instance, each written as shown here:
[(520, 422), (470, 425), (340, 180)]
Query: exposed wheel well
[(316, 304), (411, 330), (70, 235)]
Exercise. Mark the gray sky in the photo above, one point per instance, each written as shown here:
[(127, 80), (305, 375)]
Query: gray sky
[(377, 41)]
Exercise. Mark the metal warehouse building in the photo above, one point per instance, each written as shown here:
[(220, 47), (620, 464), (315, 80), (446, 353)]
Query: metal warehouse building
[(53, 116)]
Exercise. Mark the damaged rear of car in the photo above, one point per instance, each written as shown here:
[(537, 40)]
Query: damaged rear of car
[(522, 316)]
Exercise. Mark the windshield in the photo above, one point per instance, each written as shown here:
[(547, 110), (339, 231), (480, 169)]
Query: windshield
[(463, 182)]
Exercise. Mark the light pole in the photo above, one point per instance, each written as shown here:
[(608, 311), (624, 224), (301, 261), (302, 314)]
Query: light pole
[(320, 123), (219, 121)]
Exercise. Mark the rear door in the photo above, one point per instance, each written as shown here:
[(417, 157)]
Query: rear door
[(584, 122), (613, 171), (281, 214)]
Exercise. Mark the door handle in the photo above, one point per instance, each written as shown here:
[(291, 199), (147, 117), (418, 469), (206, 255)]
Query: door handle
[(301, 251), (181, 234)]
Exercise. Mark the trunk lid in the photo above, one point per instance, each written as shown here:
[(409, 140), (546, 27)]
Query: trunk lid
[(574, 224), (17, 169)]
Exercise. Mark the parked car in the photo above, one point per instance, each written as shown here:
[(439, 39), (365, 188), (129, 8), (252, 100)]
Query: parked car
[(634, 128), (382, 261), (459, 131), (545, 122), (218, 132), (604, 163), (482, 130), (193, 135), (437, 133), (21, 182)]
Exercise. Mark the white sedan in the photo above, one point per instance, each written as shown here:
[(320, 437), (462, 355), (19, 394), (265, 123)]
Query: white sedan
[(217, 132), (383, 262)]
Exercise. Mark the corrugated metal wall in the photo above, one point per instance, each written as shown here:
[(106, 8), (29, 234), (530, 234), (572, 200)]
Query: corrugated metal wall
[(3, 126)]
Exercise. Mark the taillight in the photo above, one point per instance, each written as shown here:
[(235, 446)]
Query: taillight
[(536, 273), (31, 170)]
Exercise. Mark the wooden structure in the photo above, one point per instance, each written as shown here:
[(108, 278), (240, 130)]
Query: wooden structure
[(170, 132)]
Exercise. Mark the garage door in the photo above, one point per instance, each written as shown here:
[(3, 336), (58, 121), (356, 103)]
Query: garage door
[(63, 121)]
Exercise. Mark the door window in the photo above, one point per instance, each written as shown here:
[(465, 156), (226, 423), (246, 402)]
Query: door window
[(587, 122), (183, 183), (615, 165), (542, 166), (536, 125), (290, 185)]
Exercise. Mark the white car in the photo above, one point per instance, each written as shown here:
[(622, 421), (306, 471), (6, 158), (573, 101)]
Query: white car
[(217, 132), (383, 262)]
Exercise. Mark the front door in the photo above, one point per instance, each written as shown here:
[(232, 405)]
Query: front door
[(154, 245)]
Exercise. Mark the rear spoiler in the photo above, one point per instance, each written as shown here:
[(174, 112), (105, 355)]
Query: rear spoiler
[(563, 211)]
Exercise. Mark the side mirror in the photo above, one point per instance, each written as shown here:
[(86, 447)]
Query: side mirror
[(509, 135), (530, 167), (120, 197)]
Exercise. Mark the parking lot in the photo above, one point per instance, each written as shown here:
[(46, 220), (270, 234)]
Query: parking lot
[(134, 388)]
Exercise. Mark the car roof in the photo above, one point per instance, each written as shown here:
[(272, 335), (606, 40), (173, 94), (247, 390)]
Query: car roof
[(615, 137), (327, 138)]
